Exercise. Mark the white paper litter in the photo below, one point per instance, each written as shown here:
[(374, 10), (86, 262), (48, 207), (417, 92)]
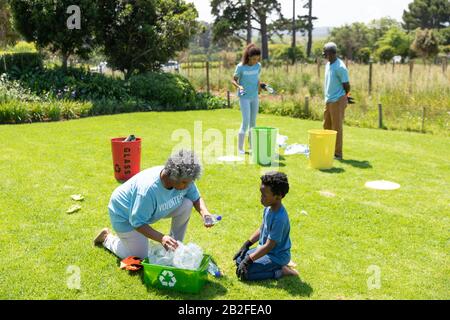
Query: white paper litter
[(296, 149), (327, 194), (382, 185)]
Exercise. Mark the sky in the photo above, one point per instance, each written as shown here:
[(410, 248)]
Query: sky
[(331, 13)]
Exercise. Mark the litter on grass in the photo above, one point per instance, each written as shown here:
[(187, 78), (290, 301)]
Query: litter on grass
[(303, 212), (73, 209), (230, 159), (327, 194), (382, 185), (281, 141), (77, 197), (296, 149)]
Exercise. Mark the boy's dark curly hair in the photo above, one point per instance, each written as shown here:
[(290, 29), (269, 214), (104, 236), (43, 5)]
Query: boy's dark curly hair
[(277, 181)]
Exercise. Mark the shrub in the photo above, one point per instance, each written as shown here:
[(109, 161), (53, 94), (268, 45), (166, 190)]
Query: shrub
[(364, 55), (171, 91), (74, 84), (385, 54), (210, 102), (19, 62)]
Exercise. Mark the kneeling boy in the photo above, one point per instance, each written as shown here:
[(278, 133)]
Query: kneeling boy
[(271, 258)]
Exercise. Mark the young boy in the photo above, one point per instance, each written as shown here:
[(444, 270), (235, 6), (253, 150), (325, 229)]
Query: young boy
[(271, 258)]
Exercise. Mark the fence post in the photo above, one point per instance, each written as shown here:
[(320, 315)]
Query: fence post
[(370, 76), (411, 69), (444, 64), (319, 63), (207, 77), (380, 116), (228, 99), (306, 107), (220, 73), (423, 119)]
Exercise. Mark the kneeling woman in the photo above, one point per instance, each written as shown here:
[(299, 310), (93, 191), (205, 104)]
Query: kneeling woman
[(157, 193)]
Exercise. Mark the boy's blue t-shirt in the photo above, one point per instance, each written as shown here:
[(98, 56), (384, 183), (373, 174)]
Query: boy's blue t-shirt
[(144, 200), (276, 227), (335, 75), (248, 78)]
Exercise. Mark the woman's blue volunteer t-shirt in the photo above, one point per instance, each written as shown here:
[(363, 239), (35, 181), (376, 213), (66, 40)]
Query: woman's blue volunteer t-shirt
[(276, 227), (144, 200), (248, 78)]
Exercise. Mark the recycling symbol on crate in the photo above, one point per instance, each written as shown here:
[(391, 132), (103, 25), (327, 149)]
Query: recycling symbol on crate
[(167, 278)]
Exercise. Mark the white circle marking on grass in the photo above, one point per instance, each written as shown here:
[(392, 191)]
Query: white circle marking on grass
[(382, 185)]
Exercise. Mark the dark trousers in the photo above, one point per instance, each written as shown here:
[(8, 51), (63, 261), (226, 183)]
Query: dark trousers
[(262, 269)]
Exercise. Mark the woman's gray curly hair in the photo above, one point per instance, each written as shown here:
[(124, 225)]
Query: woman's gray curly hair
[(183, 164)]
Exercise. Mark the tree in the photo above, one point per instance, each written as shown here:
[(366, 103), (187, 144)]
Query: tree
[(309, 25), (385, 53), (140, 35), (364, 55), (232, 20), (7, 33), (378, 28), (444, 35), (47, 24), (397, 39), (350, 38), (427, 14), (283, 25), (426, 43)]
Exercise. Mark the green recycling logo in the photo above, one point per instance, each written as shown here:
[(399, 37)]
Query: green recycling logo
[(167, 279)]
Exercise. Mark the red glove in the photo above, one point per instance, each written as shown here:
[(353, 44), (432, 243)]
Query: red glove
[(131, 264)]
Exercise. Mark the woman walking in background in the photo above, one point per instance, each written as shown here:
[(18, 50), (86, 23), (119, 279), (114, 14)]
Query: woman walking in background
[(247, 80)]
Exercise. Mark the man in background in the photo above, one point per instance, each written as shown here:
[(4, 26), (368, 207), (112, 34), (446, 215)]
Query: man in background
[(337, 95)]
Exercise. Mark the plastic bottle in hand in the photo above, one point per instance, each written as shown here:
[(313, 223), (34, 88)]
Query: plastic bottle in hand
[(268, 88), (214, 269), (212, 220), (130, 138)]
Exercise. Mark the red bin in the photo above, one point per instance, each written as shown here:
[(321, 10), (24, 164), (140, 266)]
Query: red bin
[(126, 158)]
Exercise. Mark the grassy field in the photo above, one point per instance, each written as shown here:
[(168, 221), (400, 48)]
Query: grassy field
[(404, 233), (403, 100)]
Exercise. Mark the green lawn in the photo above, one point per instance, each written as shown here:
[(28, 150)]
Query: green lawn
[(405, 232)]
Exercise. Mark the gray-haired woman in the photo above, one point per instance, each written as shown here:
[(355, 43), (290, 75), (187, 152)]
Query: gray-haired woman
[(157, 193)]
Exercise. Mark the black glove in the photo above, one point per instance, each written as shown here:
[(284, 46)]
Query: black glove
[(350, 100), (242, 251), (242, 269)]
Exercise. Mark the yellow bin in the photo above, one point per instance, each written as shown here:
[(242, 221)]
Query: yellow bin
[(322, 145)]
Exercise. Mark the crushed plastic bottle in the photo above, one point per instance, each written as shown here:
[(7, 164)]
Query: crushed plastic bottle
[(214, 270), (130, 138), (297, 149), (213, 220), (188, 256), (282, 141), (268, 88)]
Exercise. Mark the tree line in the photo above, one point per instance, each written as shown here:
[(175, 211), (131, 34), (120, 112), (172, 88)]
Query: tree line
[(135, 36), (425, 27), (140, 35)]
